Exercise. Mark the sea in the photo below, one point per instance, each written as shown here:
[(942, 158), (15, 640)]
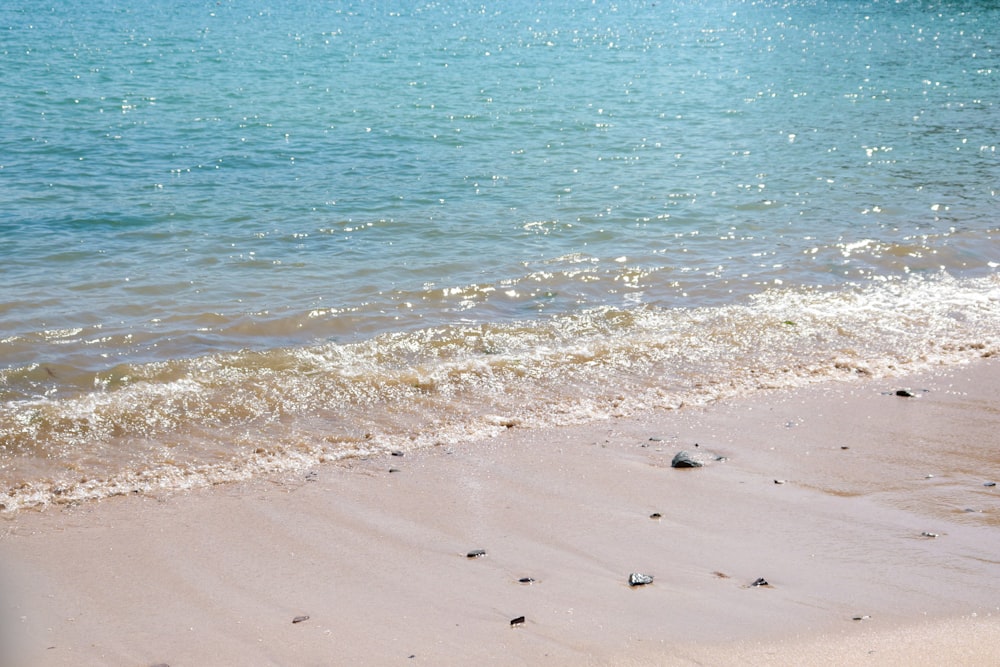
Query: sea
[(248, 237)]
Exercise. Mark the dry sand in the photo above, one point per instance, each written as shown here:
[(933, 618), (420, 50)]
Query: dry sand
[(377, 560)]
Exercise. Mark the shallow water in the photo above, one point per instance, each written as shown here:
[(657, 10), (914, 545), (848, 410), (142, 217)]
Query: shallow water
[(240, 238)]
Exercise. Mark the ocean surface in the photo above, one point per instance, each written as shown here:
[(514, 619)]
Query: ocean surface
[(242, 237)]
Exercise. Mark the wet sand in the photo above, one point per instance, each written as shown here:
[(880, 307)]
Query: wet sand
[(850, 501)]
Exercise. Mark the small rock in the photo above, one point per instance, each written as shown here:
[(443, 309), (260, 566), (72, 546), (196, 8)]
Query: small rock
[(904, 393), (393, 469), (655, 515), (761, 581), (862, 618), (299, 619), (927, 534), (989, 483), (476, 553), (397, 453), (525, 580), (656, 439), (779, 481), (684, 459), (517, 621), (844, 447), (637, 579)]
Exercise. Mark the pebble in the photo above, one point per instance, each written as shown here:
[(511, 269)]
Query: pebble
[(862, 618), (989, 483), (397, 453), (299, 619), (637, 579), (655, 515), (684, 460), (779, 481), (761, 581), (393, 469), (476, 553), (517, 621), (525, 580), (927, 534), (904, 393)]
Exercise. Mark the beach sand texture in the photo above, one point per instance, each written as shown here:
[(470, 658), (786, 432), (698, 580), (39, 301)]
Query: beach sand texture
[(850, 501)]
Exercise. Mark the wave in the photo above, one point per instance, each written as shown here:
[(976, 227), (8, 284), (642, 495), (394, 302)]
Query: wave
[(227, 416)]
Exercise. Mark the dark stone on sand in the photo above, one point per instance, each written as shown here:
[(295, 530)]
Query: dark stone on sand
[(525, 580), (393, 469), (862, 618), (397, 453), (299, 619), (989, 483), (761, 581), (476, 553), (637, 579), (684, 459), (904, 393), (655, 515), (517, 621)]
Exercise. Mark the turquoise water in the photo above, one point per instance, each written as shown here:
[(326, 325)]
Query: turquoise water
[(240, 237)]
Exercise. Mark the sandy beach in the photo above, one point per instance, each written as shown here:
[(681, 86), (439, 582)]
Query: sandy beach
[(869, 515)]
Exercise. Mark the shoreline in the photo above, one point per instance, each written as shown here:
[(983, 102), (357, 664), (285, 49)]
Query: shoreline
[(850, 501)]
